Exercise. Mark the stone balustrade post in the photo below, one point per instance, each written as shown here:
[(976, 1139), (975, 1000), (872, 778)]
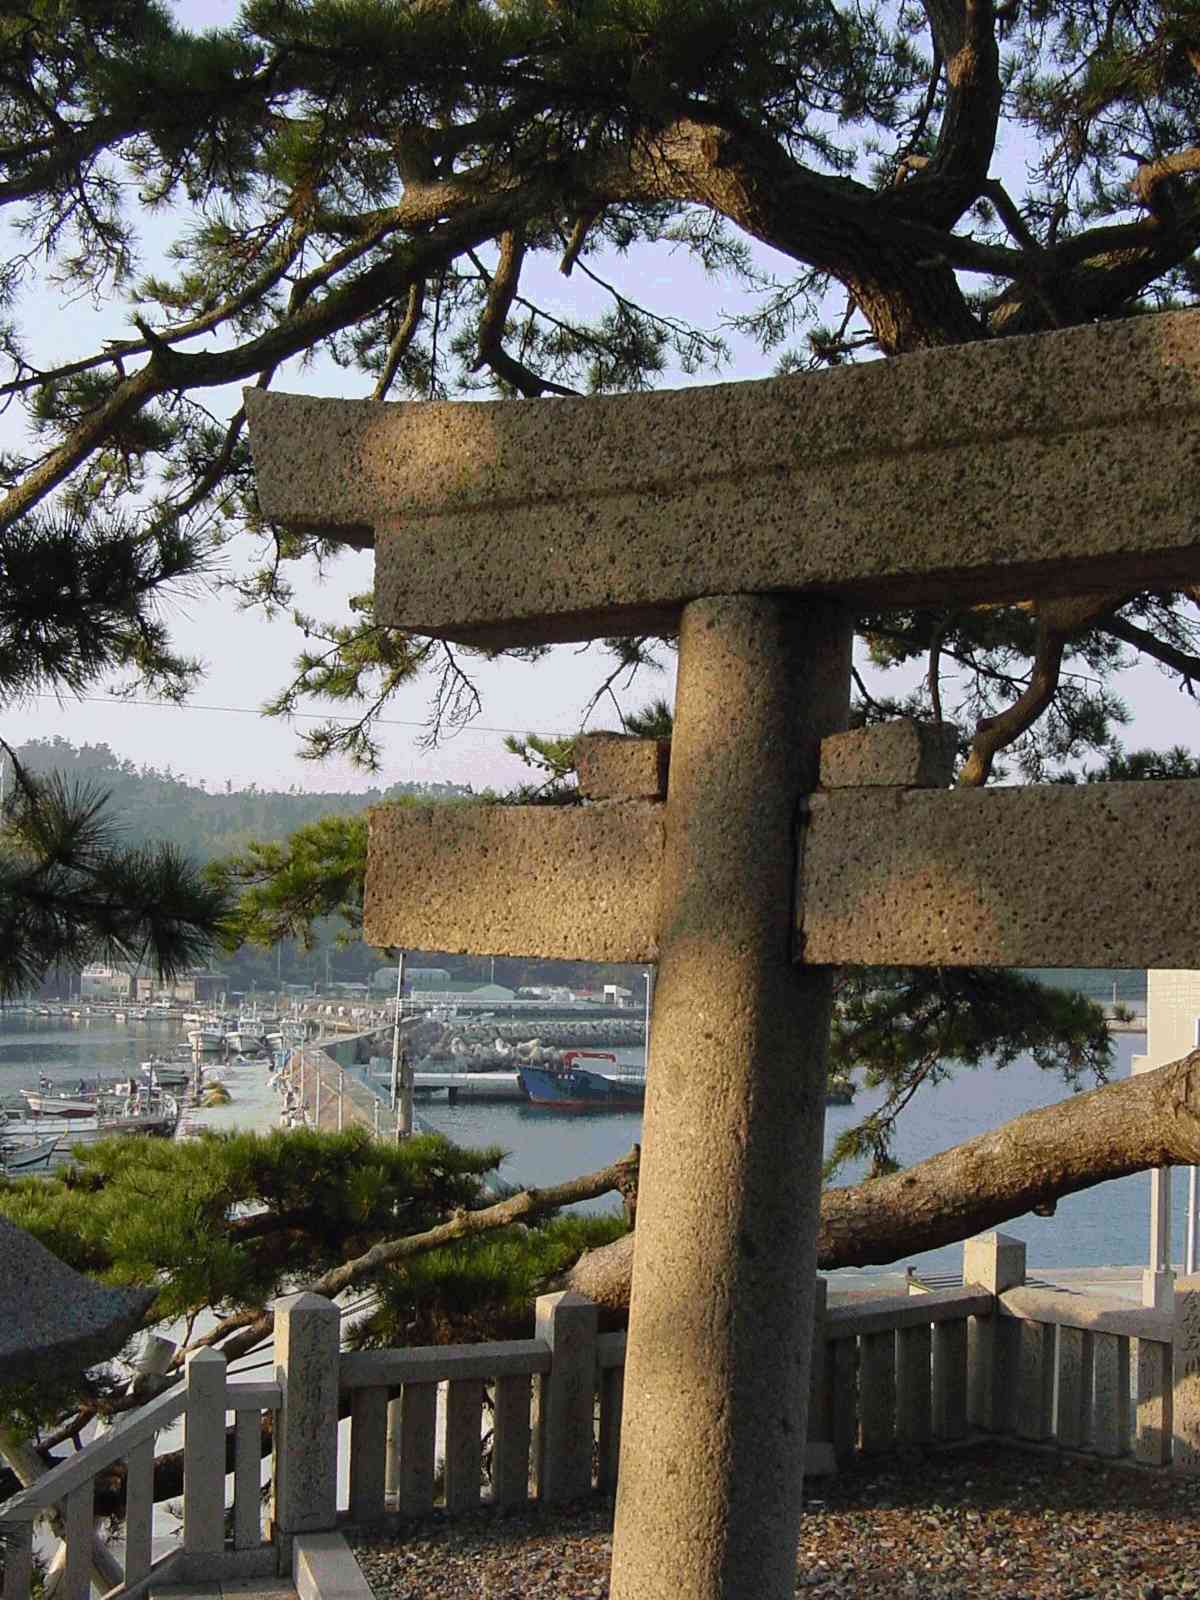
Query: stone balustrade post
[(307, 1350), (204, 1454), (995, 1262), (566, 1396), (818, 1454)]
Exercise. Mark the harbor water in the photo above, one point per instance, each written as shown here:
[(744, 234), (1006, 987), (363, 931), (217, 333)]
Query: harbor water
[(1104, 1226)]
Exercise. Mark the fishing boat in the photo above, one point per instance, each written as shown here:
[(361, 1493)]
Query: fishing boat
[(166, 1074), (567, 1087), (112, 1112), (203, 1039), (243, 1037), (43, 1104), (18, 1157)]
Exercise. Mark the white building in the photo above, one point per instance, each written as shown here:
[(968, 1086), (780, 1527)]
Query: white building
[(100, 982), (615, 995)]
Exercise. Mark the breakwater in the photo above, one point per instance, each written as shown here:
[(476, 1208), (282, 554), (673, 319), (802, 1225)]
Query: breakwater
[(479, 1046)]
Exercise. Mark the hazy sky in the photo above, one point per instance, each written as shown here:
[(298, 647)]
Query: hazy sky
[(221, 736)]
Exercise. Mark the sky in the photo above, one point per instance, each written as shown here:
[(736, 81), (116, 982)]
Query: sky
[(221, 736)]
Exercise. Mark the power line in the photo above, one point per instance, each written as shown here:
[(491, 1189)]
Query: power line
[(293, 716)]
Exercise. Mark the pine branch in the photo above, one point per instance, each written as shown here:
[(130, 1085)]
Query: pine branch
[(236, 1337)]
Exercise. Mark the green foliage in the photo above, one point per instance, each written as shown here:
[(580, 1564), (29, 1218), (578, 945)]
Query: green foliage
[(653, 721), (481, 1288), (71, 890), (553, 760), (77, 598), (904, 1028), (229, 1220), (1136, 766), (287, 888)]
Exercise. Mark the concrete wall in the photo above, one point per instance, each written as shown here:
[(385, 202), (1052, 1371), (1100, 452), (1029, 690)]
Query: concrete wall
[(1172, 1012)]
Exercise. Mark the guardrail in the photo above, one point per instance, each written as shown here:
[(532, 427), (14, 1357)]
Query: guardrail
[(209, 1548), (503, 1423)]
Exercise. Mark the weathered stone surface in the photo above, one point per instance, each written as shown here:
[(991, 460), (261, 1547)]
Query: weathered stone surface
[(996, 1262), (716, 1374), (1045, 876), (1109, 1432), (991, 471), (578, 882), (1073, 1391), (1185, 1398), (52, 1319), (618, 766), (1152, 1395), (204, 1454), (307, 1335), (892, 755), (566, 1401)]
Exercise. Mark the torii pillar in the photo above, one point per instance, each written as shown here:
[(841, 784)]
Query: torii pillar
[(754, 517), (716, 1377)]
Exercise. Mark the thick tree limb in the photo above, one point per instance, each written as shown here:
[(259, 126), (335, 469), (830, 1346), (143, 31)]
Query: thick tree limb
[(1152, 1120), (964, 33), (1058, 620), (1181, 661), (169, 369), (501, 294)]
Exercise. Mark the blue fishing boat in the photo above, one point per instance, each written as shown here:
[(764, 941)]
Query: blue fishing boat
[(572, 1088)]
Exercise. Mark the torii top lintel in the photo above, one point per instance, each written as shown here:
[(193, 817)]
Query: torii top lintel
[(1062, 463)]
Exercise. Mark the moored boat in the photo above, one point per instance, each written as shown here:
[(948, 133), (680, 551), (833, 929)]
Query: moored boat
[(43, 1104), (166, 1074), (568, 1087), (18, 1157), (203, 1039)]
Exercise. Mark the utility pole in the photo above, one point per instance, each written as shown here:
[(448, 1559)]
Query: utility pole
[(401, 1077)]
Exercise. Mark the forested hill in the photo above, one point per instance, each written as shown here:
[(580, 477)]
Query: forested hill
[(206, 823)]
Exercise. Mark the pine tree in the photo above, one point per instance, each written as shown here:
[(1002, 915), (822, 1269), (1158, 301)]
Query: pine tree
[(78, 596), (382, 186)]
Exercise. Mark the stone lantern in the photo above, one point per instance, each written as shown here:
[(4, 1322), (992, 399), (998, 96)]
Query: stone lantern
[(53, 1318)]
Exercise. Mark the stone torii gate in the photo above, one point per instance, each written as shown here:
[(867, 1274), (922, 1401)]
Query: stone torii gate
[(755, 518)]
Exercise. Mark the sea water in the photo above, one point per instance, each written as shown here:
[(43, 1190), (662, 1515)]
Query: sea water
[(1103, 1226)]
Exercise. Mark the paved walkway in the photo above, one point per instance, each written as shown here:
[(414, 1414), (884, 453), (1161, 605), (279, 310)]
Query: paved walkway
[(228, 1589), (1117, 1283)]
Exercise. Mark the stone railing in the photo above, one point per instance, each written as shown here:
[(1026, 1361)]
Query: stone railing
[(209, 1549), (1031, 1364), (892, 1371), (538, 1417), (500, 1424)]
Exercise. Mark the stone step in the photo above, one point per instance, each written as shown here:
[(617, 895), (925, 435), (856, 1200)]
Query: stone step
[(226, 1589)]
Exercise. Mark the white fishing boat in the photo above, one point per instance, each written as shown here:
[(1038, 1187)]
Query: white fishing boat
[(110, 1114), (244, 1038), (43, 1104), (207, 1038)]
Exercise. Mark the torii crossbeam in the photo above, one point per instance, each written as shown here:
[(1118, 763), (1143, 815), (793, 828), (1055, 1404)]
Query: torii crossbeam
[(754, 517)]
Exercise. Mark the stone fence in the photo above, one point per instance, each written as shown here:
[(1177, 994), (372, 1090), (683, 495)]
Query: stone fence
[(540, 1419)]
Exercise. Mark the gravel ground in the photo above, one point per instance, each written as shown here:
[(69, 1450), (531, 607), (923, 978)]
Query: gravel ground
[(988, 1522)]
